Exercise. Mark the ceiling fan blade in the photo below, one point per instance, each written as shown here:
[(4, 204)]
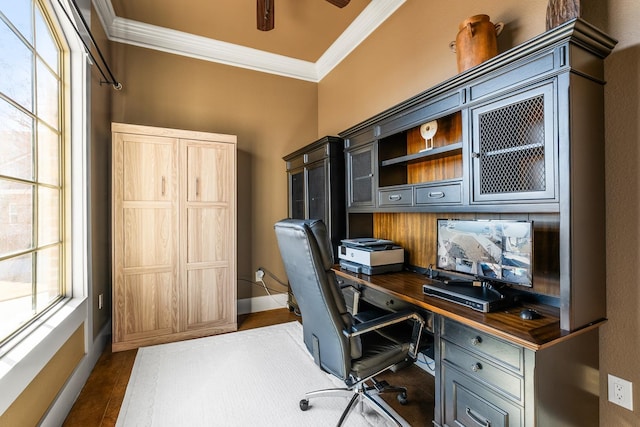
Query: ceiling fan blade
[(339, 3), (265, 14)]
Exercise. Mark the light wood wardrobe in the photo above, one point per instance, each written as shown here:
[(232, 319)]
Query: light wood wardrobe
[(174, 235)]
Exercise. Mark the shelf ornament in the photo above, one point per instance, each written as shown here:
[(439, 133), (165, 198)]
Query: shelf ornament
[(427, 131)]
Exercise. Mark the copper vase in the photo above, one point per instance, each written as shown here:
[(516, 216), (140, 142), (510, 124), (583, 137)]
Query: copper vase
[(477, 41)]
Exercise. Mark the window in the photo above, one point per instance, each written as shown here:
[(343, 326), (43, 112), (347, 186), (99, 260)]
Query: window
[(32, 166)]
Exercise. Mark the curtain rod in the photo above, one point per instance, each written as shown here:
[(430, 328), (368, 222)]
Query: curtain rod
[(112, 81)]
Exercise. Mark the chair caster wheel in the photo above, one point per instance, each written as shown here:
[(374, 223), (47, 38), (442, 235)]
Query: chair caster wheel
[(402, 398), (304, 404)]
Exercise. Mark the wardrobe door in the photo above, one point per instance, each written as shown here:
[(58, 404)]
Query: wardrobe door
[(145, 237), (208, 233)]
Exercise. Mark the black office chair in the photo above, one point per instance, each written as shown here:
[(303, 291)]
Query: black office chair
[(354, 352)]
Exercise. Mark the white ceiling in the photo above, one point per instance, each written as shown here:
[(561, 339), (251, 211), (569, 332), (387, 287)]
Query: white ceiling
[(248, 48)]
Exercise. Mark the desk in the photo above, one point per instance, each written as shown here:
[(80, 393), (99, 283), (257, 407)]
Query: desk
[(496, 368)]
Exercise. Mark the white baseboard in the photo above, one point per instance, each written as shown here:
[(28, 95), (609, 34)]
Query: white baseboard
[(66, 398), (255, 304)]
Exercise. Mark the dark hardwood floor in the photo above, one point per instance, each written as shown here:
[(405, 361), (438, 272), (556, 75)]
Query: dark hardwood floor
[(100, 399)]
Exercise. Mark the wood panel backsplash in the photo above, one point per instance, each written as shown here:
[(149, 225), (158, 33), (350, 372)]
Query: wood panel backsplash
[(416, 233)]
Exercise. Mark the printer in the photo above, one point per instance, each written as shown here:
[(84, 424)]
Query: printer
[(370, 256)]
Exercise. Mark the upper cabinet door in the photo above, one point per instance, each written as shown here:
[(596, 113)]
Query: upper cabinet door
[(297, 195), (514, 153), (209, 172), (361, 164), (317, 191), (148, 167)]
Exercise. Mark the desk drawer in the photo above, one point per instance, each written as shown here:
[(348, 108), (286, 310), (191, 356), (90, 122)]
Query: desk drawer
[(468, 403), (495, 349), (397, 197), (439, 194), (480, 369)]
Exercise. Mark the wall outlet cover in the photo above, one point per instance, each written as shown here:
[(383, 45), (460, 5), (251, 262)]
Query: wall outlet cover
[(620, 392)]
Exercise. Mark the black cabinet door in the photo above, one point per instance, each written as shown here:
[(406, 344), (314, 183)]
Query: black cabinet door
[(361, 176), (513, 148), (297, 208), (317, 191)]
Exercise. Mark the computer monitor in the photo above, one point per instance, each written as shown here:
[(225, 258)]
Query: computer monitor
[(495, 250)]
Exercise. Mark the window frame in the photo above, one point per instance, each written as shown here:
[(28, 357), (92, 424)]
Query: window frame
[(26, 354), (36, 182)]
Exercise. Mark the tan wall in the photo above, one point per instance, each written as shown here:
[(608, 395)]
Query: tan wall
[(410, 53), (271, 116), (620, 336), (33, 402), (100, 175)]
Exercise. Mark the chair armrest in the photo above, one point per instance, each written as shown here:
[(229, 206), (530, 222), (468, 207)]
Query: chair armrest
[(392, 319), (356, 295)]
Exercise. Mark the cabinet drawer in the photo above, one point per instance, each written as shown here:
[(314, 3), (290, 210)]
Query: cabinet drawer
[(502, 352), (437, 194), (399, 197), (479, 368), (467, 403)]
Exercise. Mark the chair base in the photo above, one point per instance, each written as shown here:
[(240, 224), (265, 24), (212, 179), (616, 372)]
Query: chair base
[(362, 393)]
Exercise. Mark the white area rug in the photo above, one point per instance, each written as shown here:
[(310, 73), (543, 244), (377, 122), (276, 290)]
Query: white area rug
[(250, 378)]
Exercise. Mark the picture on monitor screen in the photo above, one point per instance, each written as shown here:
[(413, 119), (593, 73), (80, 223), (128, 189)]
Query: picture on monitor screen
[(499, 250)]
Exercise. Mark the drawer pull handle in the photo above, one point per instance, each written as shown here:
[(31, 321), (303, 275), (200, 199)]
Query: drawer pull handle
[(395, 197), (480, 422), (476, 341), (436, 194), (476, 367)]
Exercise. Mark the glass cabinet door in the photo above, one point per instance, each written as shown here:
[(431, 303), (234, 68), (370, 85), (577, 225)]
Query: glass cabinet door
[(296, 207), (316, 188)]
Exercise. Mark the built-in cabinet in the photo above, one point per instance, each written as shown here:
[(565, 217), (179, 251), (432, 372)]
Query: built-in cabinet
[(519, 136), (174, 235), (315, 176), (485, 380)]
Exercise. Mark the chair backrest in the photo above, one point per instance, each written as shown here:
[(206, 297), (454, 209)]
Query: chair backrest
[(307, 255)]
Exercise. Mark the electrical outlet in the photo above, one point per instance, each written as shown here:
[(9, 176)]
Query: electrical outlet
[(100, 301), (620, 392), (259, 274)]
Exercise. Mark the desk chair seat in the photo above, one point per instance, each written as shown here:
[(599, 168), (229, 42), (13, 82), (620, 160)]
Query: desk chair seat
[(352, 351)]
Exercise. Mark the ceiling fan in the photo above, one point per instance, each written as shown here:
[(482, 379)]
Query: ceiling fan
[(266, 10)]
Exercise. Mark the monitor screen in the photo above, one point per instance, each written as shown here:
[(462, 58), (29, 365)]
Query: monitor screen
[(500, 250)]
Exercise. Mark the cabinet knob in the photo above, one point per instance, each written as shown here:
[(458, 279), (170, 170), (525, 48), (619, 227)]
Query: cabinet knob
[(435, 194), (476, 341), (475, 155), (395, 197), (476, 367)]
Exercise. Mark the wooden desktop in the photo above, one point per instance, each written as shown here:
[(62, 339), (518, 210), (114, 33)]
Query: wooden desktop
[(494, 368)]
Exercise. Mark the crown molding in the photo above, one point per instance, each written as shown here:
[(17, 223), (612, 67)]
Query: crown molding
[(181, 43)]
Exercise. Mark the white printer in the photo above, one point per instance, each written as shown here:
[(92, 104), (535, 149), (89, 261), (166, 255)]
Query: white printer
[(370, 256)]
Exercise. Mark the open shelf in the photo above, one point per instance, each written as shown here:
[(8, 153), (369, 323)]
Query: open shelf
[(435, 153)]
